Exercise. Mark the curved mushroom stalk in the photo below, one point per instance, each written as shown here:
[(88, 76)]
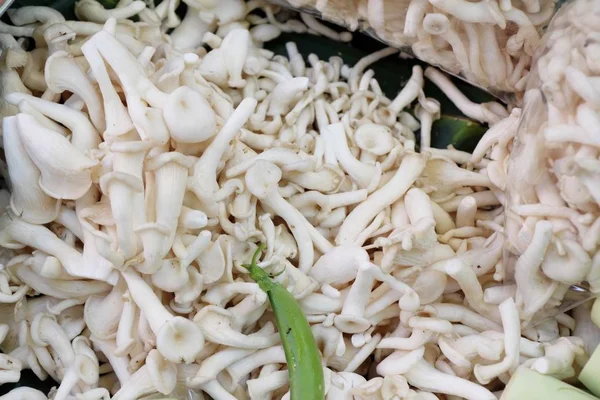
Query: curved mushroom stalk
[(262, 180), (512, 336), (132, 77), (425, 377), (213, 365), (367, 176), (427, 117), (122, 189), (170, 173), (223, 293), (91, 10), (467, 280), (86, 209), (178, 339), (153, 236), (45, 331), (155, 376), (234, 49), (27, 199), (116, 116), (263, 387), (420, 213), (414, 86), (216, 324), (533, 288), (204, 181), (62, 73), (16, 233), (119, 363), (65, 171), (191, 30), (189, 116), (278, 156), (102, 314), (485, 113), (124, 186), (124, 341), (411, 167), (257, 359), (351, 319), (84, 369), (84, 134)]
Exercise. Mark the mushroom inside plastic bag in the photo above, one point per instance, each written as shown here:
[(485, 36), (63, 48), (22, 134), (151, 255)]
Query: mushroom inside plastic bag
[(489, 43), (552, 193)]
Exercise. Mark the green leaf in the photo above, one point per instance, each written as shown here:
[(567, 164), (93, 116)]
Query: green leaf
[(461, 133)]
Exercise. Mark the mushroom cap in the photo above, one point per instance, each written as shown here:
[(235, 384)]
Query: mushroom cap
[(374, 138), (162, 372), (180, 340), (189, 116), (263, 178), (87, 369), (339, 265), (436, 24), (170, 276), (351, 323)]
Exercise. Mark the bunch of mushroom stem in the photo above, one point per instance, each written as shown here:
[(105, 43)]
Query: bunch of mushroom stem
[(164, 164)]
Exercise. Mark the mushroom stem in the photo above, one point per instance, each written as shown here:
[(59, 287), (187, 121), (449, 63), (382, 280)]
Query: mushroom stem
[(411, 167)]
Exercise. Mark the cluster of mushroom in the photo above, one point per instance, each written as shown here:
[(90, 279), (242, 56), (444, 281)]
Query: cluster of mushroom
[(552, 192), (144, 170), (490, 43)]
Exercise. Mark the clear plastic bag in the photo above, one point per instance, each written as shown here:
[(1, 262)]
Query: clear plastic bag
[(553, 169), (488, 43)]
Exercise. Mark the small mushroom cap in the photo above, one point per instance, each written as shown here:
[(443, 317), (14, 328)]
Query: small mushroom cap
[(263, 178), (87, 369), (436, 24), (351, 323), (374, 138), (162, 372), (339, 265), (189, 116), (170, 276), (180, 340)]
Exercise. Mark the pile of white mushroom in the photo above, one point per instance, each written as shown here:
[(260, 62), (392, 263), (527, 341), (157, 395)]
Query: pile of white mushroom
[(145, 170), (490, 43)]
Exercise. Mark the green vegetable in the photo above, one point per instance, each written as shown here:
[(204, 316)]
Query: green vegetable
[(590, 373), (526, 384), (301, 351)]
